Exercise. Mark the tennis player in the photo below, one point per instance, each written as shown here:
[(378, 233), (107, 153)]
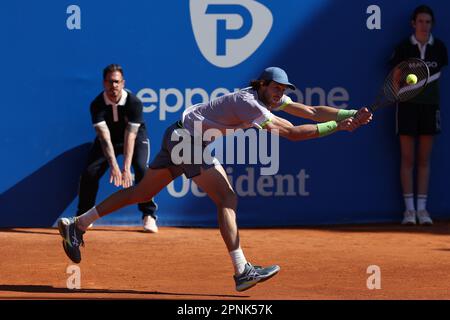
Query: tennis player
[(249, 107)]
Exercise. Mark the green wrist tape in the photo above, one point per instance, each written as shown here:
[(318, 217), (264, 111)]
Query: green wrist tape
[(265, 123), (344, 114), (326, 128)]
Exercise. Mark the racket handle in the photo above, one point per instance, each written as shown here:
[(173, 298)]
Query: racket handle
[(371, 108)]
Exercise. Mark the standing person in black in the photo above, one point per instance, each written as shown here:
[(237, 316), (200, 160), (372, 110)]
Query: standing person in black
[(418, 120), (117, 118)]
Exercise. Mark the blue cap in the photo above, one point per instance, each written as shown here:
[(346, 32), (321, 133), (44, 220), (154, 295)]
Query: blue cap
[(276, 74)]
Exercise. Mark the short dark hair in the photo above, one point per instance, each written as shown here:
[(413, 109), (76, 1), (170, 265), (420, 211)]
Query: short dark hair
[(256, 84), (111, 68), (422, 9)]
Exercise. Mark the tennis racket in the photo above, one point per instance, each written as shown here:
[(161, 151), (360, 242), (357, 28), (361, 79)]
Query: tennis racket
[(396, 88)]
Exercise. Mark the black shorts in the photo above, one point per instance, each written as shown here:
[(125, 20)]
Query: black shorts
[(418, 119)]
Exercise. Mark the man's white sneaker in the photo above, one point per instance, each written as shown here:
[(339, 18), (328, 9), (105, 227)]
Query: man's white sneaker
[(150, 224), (424, 218), (409, 217)]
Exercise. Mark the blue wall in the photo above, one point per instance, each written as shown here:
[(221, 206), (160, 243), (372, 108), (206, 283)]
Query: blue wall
[(51, 71)]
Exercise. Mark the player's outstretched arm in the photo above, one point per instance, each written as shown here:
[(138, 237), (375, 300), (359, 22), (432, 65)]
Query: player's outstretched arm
[(325, 113), (316, 113), (309, 131)]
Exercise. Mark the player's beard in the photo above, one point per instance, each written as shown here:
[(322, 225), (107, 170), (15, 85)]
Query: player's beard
[(269, 100)]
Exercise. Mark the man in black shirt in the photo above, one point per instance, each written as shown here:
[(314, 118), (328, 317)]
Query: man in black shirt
[(117, 118), (418, 120)]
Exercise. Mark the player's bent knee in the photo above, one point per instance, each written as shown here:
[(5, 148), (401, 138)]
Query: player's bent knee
[(228, 200)]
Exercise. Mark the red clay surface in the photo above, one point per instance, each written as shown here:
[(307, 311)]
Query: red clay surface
[(191, 263)]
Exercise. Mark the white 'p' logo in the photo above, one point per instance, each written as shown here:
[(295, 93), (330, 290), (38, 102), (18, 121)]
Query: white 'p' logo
[(229, 31)]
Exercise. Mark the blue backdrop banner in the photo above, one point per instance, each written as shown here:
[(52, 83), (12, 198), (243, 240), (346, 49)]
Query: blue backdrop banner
[(178, 53)]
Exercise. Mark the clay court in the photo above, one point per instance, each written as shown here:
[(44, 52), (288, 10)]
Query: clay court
[(192, 263)]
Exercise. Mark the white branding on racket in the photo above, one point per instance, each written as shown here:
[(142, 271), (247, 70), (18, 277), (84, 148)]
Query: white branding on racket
[(432, 64), (73, 21), (229, 32), (373, 22), (374, 281), (74, 280)]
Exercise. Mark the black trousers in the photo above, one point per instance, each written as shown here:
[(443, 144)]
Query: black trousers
[(96, 168)]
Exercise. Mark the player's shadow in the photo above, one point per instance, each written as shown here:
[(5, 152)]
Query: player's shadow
[(156, 294), (55, 232), (39, 199)]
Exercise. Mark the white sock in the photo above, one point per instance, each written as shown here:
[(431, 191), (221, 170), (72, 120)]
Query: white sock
[(421, 202), (409, 201), (87, 218), (239, 261)]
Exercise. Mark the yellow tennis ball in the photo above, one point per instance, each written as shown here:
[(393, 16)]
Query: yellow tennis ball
[(411, 79)]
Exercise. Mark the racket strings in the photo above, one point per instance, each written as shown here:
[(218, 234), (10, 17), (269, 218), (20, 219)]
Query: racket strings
[(396, 87)]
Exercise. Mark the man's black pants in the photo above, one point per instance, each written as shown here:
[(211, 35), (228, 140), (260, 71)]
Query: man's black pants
[(96, 167)]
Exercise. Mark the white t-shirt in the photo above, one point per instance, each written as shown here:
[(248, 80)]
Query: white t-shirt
[(237, 110)]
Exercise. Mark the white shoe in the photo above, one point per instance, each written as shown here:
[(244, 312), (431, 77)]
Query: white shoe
[(424, 218), (150, 224), (409, 217)]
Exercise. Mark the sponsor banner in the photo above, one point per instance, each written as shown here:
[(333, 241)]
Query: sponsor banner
[(179, 53)]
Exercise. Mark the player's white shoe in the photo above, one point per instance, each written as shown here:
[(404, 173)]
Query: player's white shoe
[(424, 218), (409, 217), (150, 224)]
